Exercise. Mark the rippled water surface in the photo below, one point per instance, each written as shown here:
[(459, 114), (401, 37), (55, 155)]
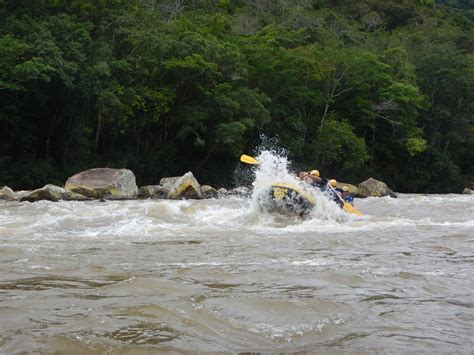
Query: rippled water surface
[(221, 275)]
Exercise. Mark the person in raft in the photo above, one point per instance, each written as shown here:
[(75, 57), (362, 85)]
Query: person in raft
[(345, 194), (334, 193), (313, 177)]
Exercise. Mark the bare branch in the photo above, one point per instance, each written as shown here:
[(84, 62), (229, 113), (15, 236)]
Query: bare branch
[(342, 92), (392, 122), (388, 105)]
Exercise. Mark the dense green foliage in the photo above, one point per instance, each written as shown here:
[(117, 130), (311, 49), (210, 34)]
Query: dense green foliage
[(355, 89)]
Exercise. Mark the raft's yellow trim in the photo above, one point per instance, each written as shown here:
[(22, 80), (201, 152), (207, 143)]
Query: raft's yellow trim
[(297, 189)]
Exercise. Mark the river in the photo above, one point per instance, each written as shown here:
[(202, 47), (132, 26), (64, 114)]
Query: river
[(221, 275)]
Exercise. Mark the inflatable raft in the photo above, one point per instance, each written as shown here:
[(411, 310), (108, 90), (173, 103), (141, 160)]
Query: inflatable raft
[(287, 199), (290, 199)]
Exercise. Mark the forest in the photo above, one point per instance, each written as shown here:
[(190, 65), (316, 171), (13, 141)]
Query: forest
[(355, 89)]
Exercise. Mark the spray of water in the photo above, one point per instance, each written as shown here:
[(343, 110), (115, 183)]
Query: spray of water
[(273, 168)]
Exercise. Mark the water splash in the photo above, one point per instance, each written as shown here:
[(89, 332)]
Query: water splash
[(274, 168)]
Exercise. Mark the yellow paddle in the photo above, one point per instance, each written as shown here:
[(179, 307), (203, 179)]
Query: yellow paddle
[(351, 209), (248, 159)]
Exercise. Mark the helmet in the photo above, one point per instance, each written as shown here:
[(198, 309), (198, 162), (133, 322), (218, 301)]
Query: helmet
[(333, 182), (314, 172), (345, 188)]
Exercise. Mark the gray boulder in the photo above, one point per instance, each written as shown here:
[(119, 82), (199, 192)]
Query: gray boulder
[(7, 194), (186, 187), (468, 191), (169, 182), (22, 193), (153, 191), (51, 193), (208, 191), (104, 183), (374, 188)]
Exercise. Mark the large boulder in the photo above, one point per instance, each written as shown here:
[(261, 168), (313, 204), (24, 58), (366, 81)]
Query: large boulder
[(153, 191), (169, 182), (51, 193), (375, 188), (208, 191), (468, 191), (6, 193), (104, 183), (22, 193), (186, 187)]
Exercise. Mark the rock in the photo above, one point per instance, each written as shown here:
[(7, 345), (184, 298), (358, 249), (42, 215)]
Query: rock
[(222, 192), (375, 188), (185, 187), (22, 193), (468, 191), (7, 194), (240, 191), (208, 191), (169, 182), (51, 193), (153, 191), (104, 183), (352, 188)]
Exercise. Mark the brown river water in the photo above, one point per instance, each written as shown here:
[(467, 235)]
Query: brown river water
[(223, 276)]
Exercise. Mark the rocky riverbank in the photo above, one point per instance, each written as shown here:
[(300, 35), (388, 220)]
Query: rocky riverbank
[(119, 184)]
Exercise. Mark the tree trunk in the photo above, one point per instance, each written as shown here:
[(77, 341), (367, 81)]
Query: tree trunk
[(97, 133), (326, 108), (69, 139), (373, 147)]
